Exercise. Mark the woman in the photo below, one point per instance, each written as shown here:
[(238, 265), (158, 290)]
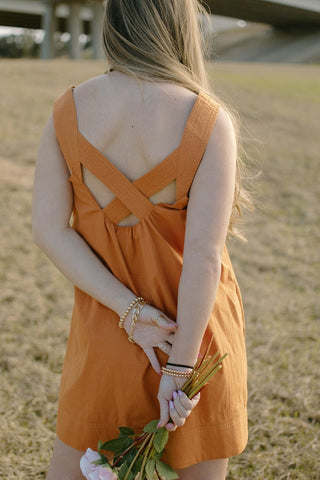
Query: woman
[(145, 158)]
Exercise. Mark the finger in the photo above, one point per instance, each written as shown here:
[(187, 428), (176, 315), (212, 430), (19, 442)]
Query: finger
[(185, 401), (164, 412), (195, 400), (165, 322), (182, 411), (153, 359), (165, 347), (171, 426), (174, 415)]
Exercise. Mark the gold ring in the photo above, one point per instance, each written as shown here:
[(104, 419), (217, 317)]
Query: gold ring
[(156, 321), (163, 346)]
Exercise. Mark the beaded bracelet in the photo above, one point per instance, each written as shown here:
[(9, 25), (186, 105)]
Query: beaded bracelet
[(122, 318), (135, 315), (175, 373)]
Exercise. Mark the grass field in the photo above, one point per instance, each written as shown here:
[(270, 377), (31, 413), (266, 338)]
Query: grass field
[(278, 269)]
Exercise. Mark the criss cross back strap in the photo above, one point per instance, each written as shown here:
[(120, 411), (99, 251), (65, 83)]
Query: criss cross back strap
[(128, 194), (194, 141), (81, 152), (64, 119), (150, 183)]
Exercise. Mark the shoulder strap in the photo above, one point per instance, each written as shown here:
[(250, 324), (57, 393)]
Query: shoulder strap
[(65, 124), (194, 141)]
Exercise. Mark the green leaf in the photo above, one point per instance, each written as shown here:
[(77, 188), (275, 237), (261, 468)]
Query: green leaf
[(150, 469), (100, 443), (122, 471), (151, 427), (137, 465), (126, 431), (128, 457), (160, 439), (166, 471), (117, 445), (131, 475)]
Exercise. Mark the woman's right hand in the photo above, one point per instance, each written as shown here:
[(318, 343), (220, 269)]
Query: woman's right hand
[(153, 329)]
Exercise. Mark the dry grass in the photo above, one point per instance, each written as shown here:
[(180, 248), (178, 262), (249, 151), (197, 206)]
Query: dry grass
[(278, 269)]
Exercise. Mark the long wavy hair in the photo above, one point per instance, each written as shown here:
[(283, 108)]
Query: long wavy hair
[(167, 40)]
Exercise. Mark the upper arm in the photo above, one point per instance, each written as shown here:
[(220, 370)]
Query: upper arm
[(52, 193), (212, 192)]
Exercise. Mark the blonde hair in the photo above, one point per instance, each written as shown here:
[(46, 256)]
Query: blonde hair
[(166, 40)]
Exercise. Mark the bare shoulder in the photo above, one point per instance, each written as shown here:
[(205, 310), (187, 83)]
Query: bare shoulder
[(218, 165), (222, 144), (89, 85), (90, 90), (223, 126)]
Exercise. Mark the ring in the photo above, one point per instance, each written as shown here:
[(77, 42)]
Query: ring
[(156, 321), (163, 346)]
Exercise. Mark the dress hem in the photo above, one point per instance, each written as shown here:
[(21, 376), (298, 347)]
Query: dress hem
[(215, 442)]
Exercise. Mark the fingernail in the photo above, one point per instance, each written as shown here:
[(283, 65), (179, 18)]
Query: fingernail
[(175, 394), (169, 426), (158, 424), (179, 393), (171, 404), (159, 373)]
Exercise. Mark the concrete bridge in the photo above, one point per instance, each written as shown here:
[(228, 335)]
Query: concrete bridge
[(73, 16), (77, 16), (284, 14)]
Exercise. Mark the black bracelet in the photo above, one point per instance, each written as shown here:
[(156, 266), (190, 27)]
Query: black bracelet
[(178, 365)]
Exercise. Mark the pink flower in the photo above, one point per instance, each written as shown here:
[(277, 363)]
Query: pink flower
[(95, 472)]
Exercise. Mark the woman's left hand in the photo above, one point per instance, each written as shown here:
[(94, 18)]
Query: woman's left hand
[(174, 404)]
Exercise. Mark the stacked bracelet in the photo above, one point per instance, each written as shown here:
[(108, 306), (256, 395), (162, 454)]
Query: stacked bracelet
[(175, 373), (135, 315), (122, 318)]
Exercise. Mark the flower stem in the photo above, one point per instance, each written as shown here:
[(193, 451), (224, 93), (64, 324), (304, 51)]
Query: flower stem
[(146, 453), (134, 444), (204, 378), (137, 455)]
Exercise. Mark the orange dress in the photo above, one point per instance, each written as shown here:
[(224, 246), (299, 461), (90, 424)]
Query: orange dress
[(107, 381)]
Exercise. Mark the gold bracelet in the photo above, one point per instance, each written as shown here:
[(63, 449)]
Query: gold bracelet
[(175, 373), (135, 315), (122, 318)]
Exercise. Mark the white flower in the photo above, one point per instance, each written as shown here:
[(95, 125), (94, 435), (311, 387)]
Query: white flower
[(95, 472)]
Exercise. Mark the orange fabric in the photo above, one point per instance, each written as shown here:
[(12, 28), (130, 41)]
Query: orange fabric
[(106, 381)]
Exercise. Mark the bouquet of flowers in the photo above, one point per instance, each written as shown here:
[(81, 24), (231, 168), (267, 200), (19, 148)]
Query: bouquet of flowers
[(137, 456)]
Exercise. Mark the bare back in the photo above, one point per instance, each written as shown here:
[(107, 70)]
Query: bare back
[(134, 129)]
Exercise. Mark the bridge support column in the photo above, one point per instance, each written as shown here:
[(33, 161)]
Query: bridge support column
[(75, 30), (49, 24), (96, 30)]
